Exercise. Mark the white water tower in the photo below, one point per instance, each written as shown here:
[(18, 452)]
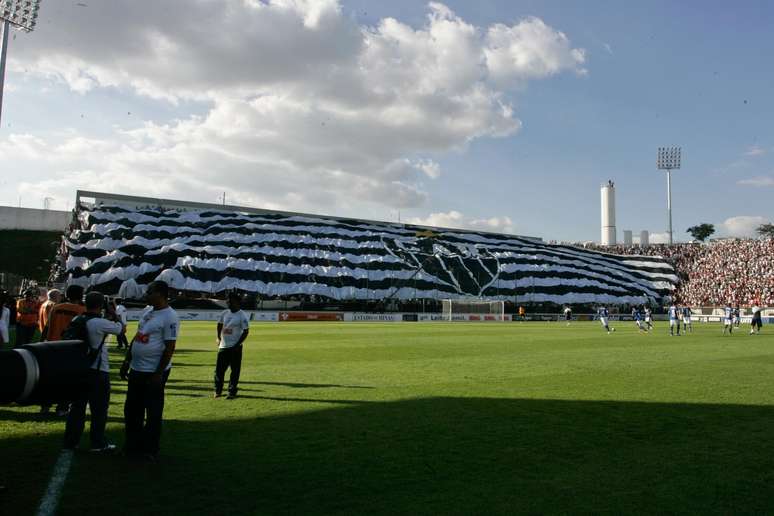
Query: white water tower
[(608, 213)]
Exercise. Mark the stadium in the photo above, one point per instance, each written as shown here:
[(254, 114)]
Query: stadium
[(420, 298), (393, 358)]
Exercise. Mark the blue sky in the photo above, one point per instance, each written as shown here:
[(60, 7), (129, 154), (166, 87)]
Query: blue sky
[(695, 74)]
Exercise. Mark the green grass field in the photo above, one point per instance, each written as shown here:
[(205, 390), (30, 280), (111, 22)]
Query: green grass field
[(439, 418)]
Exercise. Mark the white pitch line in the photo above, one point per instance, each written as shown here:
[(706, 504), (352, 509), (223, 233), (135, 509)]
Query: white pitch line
[(54, 490)]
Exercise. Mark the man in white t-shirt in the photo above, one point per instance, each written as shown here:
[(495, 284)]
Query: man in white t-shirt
[(98, 394), (233, 328), (147, 365), (121, 315)]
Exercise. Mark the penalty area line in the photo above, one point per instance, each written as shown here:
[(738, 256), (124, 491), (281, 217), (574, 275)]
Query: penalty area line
[(48, 504)]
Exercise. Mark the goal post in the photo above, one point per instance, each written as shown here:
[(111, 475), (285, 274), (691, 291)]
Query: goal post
[(463, 307)]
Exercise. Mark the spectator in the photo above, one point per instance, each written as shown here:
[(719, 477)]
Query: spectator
[(739, 270), (26, 317), (5, 317), (59, 319), (98, 394), (148, 362), (54, 297), (60, 316)]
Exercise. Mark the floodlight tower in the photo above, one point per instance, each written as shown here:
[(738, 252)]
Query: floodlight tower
[(669, 160), (21, 14)]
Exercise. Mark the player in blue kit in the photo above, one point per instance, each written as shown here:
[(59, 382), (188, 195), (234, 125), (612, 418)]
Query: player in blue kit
[(604, 315), (687, 319), (637, 316), (728, 319)]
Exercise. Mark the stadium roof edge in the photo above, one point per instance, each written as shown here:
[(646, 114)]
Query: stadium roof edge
[(172, 203)]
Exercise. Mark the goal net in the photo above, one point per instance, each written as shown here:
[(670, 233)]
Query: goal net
[(466, 307)]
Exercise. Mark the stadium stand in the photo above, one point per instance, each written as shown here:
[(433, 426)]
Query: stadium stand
[(736, 271), (209, 249)]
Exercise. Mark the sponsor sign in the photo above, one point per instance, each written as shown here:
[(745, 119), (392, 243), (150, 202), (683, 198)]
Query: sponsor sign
[(264, 316), (410, 317), (392, 317), (310, 316), (463, 317)]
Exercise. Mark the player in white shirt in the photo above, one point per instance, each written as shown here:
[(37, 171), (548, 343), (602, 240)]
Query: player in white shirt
[(233, 328), (648, 318), (121, 315), (674, 320), (728, 320), (147, 365)]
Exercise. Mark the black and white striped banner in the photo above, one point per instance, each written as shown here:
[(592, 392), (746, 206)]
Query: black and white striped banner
[(276, 254)]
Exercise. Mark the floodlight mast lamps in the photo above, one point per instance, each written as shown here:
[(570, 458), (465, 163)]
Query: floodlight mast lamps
[(21, 14), (669, 159)]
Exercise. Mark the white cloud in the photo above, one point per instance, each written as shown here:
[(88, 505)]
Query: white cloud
[(455, 219), (755, 150), (757, 181), (530, 49), (742, 225), (307, 110)]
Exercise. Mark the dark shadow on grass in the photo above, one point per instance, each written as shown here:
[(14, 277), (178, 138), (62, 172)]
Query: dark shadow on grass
[(443, 456), (283, 384), (302, 400)]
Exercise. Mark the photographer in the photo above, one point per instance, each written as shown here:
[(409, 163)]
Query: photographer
[(147, 365), (98, 394)]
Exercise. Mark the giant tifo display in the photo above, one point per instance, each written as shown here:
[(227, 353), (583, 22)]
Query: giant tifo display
[(277, 254)]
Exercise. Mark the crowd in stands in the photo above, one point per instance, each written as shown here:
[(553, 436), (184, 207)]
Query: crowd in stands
[(736, 271)]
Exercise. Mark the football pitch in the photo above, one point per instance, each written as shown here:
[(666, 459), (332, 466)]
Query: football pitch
[(436, 418)]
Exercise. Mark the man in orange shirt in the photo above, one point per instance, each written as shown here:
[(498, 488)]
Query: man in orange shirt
[(58, 320), (60, 316), (26, 317), (54, 297)]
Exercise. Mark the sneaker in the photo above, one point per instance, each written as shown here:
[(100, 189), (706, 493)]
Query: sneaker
[(231, 396), (62, 413), (108, 448), (217, 395)]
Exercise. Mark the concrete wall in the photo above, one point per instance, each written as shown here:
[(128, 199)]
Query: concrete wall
[(30, 219)]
